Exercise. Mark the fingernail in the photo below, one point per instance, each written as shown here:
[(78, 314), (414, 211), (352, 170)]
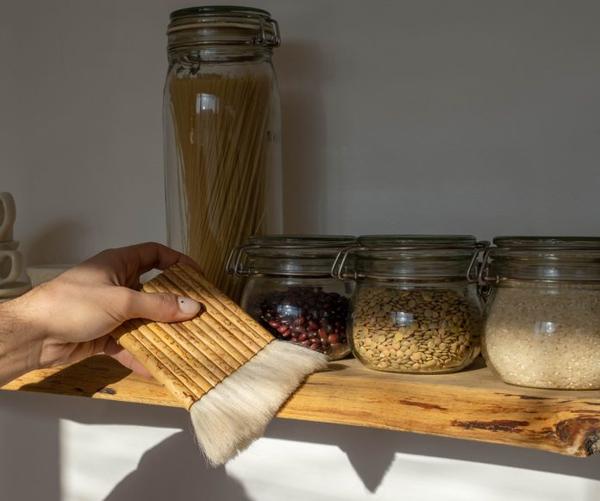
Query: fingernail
[(188, 306)]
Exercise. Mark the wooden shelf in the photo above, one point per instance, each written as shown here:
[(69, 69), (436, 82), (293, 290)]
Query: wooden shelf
[(472, 404)]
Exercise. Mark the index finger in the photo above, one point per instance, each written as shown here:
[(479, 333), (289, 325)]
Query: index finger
[(150, 255)]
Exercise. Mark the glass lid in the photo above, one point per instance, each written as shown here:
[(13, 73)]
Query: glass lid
[(409, 241), (289, 242), (544, 258), (411, 257), (288, 255), (222, 25), (217, 9), (550, 243)]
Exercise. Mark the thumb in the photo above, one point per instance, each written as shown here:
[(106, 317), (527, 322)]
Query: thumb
[(162, 307)]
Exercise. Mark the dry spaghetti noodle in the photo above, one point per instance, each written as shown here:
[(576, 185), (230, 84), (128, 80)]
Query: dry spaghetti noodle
[(221, 126)]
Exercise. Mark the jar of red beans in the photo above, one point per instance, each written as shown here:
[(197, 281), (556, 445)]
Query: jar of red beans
[(290, 291)]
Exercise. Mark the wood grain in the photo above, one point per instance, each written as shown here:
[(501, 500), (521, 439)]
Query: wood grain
[(190, 358), (472, 404)]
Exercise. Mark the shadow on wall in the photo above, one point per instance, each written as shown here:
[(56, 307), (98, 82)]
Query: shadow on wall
[(371, 452), (174, 470), (300, 70), (30, 452), (57, 243)]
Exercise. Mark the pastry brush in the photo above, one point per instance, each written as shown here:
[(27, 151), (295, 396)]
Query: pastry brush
[(223, 366)]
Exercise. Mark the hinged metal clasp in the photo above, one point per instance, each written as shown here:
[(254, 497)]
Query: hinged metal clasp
[(483, 277), (277, 40), (234, 263), (475, 266), (263, 38), (340, 262)]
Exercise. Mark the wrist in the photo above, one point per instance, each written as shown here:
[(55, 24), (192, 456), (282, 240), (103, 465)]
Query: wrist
[(20, 340)]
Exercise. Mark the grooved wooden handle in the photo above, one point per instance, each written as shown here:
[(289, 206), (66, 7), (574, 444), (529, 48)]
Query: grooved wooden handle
[(192, 357)]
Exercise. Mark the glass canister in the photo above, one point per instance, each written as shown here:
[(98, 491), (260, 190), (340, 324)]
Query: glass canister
[(222, 134), (543, 321), (290, 291), (416, 307)]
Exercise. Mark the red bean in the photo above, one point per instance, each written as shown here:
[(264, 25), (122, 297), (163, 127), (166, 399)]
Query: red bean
[(306, 315), (333, 339)]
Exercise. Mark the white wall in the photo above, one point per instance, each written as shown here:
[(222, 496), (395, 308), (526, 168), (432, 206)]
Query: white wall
[(411, 116)]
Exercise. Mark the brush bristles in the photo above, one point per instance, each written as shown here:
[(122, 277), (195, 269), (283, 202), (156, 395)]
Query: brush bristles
[(236, 412)]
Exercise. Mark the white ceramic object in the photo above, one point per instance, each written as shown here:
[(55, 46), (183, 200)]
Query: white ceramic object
[(9, 245), (8, 214), (11, 266)]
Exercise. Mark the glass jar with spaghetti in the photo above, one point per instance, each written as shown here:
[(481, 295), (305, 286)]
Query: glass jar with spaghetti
[(290, 291), (416, 307), (222, 134)]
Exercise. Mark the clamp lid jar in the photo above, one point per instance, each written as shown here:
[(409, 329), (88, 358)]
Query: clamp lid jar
[(543, 324), (222, 130), (290, 291), (416, 307)]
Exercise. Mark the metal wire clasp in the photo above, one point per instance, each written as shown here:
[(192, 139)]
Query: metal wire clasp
[(483, 277), (234, 263), (340, 261), (262, 39), (475, 269)]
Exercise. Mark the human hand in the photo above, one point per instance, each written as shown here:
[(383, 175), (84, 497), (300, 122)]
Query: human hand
[(72, 316)]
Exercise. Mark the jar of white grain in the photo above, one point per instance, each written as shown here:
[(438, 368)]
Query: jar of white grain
[(543, 320)]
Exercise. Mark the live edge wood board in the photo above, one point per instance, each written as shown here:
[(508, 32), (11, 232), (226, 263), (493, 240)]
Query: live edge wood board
[(472, 404)]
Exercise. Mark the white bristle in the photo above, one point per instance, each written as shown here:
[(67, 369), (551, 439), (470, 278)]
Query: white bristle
[(236, 412)]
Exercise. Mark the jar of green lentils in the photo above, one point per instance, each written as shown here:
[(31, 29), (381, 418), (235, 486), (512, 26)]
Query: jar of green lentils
[(416, 306)]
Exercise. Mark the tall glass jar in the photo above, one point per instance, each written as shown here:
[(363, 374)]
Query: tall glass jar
[(222, 134), (543, 322), (416, 307), (290, 291)]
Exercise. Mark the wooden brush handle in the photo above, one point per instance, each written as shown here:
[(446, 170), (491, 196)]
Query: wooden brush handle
[(192, 357)]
